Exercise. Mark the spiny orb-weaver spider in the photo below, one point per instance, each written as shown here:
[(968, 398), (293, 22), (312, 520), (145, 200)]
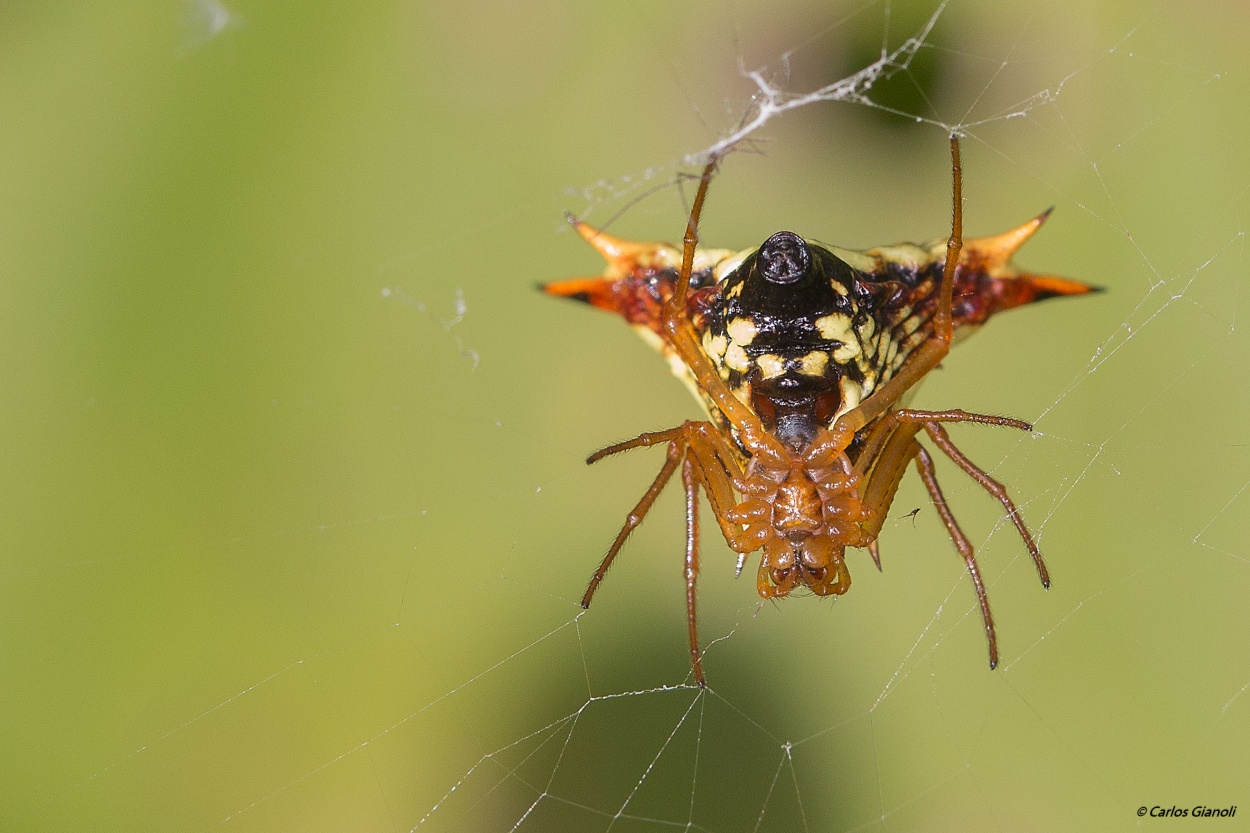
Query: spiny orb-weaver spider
[(802, 354)]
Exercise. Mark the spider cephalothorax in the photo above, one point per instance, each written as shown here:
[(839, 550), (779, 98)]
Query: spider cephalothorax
[(802, 354)]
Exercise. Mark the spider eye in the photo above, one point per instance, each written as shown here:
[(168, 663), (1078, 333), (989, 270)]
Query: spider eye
[(784, 258)]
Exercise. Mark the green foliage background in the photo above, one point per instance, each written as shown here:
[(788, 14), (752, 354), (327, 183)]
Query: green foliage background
[(294, 516)]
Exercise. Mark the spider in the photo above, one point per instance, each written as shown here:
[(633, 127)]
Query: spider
[(803, 355)]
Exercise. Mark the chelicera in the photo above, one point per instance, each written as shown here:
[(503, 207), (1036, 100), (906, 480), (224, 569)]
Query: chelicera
[(803, 354)]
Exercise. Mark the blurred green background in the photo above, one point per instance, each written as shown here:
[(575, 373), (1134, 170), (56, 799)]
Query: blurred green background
[(294, 509)]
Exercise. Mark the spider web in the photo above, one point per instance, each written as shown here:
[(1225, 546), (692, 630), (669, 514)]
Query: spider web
[(322, 458)]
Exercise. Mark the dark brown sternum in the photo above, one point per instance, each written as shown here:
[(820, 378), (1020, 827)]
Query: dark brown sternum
[(797, 509)]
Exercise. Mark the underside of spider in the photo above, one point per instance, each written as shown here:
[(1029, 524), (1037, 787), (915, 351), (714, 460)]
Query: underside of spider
[(802, 355)]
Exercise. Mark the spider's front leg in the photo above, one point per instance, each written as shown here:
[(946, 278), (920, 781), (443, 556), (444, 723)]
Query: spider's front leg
[(680, 334), (929, 354)]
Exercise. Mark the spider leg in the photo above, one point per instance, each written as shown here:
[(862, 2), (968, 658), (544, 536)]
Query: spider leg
[(873, 440), (717, 487), (690, 483), (924, 463), (646, 440), (680, 334), (893, 445), (885, 472), (719, 474), (714, 446), (882, 462), (959, 415), (884, 454), (931, 421), (929, 354), (943, 441), (881, 435), (706, 460), (676, 450)]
